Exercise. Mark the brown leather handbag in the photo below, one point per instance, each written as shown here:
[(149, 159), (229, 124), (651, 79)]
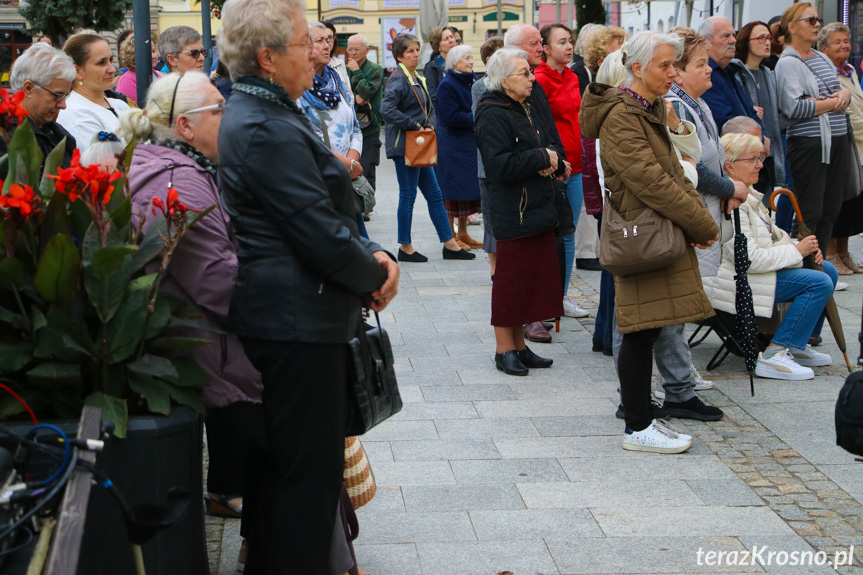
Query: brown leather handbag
[(420, 145)]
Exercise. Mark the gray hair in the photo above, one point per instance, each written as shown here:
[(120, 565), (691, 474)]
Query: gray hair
[(830, 29), (740, 125), (316, 24), (152, 121), (586, 31), (174, 38), (642, 48), (249, 25), (501, 65), (102, 153), (515, 35), (41, 64), (706, 27), (612, 71), (456, 55), (361, 38)]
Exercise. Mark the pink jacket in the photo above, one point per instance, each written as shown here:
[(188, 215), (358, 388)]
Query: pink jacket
[(128, 84), (203, 269)]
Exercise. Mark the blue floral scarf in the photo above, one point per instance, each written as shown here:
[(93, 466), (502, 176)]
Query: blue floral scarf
[(324, 93)]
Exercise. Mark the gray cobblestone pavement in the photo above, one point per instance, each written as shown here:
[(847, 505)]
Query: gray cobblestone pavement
[(482, 472)]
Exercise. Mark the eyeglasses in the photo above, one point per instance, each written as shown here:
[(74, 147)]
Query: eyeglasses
[(218, 108), (762, 39), (355, 49), (195, 54), (57, 97), (307, 44), (813, 20), (754, 159), (526, 73)]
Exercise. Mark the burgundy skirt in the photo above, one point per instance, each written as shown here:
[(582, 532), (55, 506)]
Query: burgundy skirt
[(527, 284), (461, 208)]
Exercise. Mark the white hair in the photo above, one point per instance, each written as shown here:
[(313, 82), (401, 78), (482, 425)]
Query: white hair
[(515, 35), (316, 24), (740, 125), (152, 121), (456, 55), (249, 25), (361, 38), (828, 30), (706, 27), (586, 31), (101, 152), (642, 48), (41, 64), (611, 71), (501, 65)]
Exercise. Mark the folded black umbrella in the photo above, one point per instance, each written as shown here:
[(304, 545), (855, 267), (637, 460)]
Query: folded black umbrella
[(747, 329)]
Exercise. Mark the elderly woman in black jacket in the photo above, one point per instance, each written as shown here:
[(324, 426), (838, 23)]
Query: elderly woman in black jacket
[(519, 167), (304, 275), (406, 107)]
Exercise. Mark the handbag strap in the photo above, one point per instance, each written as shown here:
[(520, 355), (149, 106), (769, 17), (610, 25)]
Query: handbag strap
[(411, 84), (383, 355), (323, 127)]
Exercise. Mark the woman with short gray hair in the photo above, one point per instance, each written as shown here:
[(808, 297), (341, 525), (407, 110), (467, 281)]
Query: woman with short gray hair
[(182, 47), (45, 74), (642, 171), (519, 162)]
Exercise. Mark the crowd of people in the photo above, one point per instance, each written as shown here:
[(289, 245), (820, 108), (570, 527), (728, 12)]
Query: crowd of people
[(692, 125)]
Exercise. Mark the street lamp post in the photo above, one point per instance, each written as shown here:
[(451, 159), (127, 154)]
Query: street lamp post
[(143, 38)]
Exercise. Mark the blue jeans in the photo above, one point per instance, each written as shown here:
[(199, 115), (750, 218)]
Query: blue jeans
[(604, 326), (575, 192), (409, 178), (808, 292), (362, 226), (784, 209)]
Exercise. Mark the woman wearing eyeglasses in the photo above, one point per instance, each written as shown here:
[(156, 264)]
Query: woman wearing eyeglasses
[(759, 81), (46, 75), (88, 111), (180, 126), (812, 103), (775, 274)]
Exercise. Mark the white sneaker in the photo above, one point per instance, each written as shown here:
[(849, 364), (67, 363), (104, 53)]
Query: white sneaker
[(701, 384), (840, 286), (809, 357), (782, 366), (658, 437), (474, 219), (572, 309)]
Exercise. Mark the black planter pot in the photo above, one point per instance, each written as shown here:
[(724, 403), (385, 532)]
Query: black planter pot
[(158, 453)]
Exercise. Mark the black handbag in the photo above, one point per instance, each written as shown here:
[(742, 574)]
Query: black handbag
[(565, 219), (374, 392), (849, 410)]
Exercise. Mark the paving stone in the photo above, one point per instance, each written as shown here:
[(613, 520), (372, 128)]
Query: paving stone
[(569, 426), (394, 559), (508, 471), (481, 428), (596, 494), (674, 521), (461, 497), (442, 410), (730, 492), (513, 448), (405, 430), (534, 524), (467, 393), (413, 473), (444, 450), (486, 557), (389, 527), (644, 466)]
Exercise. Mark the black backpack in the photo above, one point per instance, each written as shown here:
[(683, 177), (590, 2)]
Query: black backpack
[(849, 410)]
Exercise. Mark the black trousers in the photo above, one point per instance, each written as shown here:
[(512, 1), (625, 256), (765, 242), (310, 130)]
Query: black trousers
[(371, 157), (820, 188), (305, 392), (634, 367)]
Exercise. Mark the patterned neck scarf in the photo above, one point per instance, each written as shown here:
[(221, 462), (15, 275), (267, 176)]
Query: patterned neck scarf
[(650, 107), (690, 101), (266, 90), (847, 71), (324, 93), (187, 150)]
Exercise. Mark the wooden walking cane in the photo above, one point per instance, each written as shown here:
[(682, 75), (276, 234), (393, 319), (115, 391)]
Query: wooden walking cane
[(830, 309)]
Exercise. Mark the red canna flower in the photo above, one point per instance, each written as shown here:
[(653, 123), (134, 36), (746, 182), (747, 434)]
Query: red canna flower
[(12, 105), (21, 203)]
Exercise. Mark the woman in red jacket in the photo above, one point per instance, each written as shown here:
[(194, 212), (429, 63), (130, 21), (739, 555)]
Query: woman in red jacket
[(561, 87)]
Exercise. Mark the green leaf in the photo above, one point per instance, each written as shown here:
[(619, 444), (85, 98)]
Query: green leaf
[(158, 319), (121, 217), (106, 293), (14, 319), (198, 216), (74, 345), (189, 373), (56, 219), (113, 408), (54, 375), (186, 396), (59, 270), (195, 323), (14, 357), (80, 218), (39, 320), (177, 342), (152, 244), (108, 260), (126, 328), (13, 273), (156, 392), (52, 162), (67, 404), (50, 340), (35, 398), (155, 366), (25, 159)]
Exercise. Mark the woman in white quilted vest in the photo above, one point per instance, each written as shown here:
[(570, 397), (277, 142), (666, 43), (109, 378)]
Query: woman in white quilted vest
[(776, 273)]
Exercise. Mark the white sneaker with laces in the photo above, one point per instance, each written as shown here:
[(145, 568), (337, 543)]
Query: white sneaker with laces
[(840, 286), (782, 366), (810, 358), (701, 384), (658, 437), (572, 309), (474, 219)]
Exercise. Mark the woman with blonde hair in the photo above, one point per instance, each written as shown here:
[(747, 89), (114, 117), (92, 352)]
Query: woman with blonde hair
[(442, 40), (128, 83)]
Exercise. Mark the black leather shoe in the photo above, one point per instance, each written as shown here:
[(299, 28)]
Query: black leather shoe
[(509, 363), (693, 408), (589, 264), (449, 254), (597, 345), (530, 359), (415, 257)]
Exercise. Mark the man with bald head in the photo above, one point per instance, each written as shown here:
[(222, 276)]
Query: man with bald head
[(726, 98), (526, 37)]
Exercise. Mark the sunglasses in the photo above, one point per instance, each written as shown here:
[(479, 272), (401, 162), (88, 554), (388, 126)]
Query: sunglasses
[(57, 97), (195, 54), (813, 20), (525, 73)]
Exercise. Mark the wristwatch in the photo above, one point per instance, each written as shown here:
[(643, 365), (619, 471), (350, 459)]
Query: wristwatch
[(353, 161), (679, 129)]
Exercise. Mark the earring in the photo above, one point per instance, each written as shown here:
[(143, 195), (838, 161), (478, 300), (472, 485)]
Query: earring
[(80, 82), (272, 81)]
